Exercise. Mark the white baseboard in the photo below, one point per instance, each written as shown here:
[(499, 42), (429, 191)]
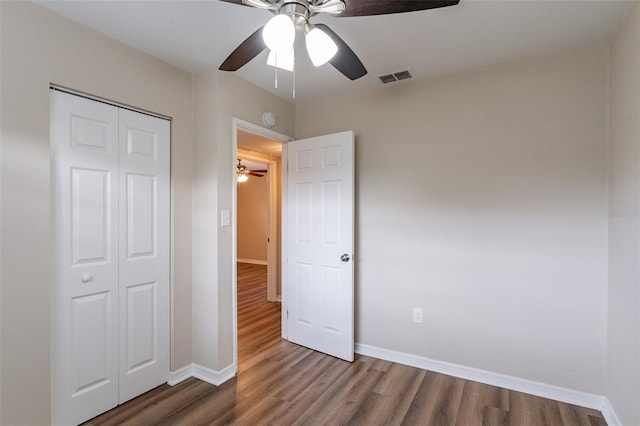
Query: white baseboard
[(208, 375), (253, 261), (609, 414), (597, 402), (180, 375)]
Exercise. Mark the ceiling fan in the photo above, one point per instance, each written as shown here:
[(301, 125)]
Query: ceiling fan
[(243, 173), (323, 45)]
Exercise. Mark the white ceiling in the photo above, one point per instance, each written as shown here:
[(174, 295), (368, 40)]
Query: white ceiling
[(199, 35)]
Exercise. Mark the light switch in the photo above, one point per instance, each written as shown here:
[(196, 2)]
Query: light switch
[(225, 217)]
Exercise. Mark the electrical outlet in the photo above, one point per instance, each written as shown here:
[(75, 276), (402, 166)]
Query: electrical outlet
[(417, 315)]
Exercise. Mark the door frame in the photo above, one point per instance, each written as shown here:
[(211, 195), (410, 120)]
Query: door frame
[(239, 124)]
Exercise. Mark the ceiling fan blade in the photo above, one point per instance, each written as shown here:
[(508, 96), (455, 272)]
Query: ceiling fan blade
[(385, 7), (258, 171), (255, 174), (248, 49), (345, 60)]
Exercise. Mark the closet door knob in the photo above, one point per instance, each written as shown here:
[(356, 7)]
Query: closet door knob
[(86, 278)]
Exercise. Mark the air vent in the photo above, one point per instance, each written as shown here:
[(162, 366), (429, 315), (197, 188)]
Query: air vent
[(402, 75), (396, 76), (389, 78)]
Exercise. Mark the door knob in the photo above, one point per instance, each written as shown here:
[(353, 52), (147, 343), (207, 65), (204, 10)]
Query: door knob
[(345, 257), (86, 278)]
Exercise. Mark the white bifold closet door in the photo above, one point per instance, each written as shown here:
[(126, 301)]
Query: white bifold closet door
[(110, 201)]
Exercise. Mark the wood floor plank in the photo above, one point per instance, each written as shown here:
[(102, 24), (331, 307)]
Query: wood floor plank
[(492, 416), (596, 420), (279, 378), (304, 398), (356, 403), (391, 398), (524, 410), (337, 394), (214, 405), (476, 398), (436, 402), (251, 412), (572, 416), (280, 383)]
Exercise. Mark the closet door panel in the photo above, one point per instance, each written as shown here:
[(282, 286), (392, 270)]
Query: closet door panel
[(84, 154), (144, 253), (141, 328), (141, 217)]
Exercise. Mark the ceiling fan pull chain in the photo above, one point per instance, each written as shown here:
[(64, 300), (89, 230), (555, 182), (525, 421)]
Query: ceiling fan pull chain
[(276, 67)]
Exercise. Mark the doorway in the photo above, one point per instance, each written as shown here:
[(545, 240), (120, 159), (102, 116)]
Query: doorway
[(257, 204), (319, 178)]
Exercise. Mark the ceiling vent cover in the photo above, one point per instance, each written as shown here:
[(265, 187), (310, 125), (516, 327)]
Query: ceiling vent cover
[(396, 76)]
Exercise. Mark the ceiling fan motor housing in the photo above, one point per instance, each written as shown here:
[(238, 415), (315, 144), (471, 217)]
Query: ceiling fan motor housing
[(301, 10), (298, 11)]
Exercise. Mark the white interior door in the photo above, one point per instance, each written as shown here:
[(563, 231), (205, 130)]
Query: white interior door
[(144, 253), (320, 199), (84, 153), (110, 332)]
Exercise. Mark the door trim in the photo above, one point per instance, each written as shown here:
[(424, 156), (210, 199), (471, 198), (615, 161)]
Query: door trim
[(239, 124), (70, 91)]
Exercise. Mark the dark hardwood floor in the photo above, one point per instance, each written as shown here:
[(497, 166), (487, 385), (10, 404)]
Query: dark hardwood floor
[(281, 383)]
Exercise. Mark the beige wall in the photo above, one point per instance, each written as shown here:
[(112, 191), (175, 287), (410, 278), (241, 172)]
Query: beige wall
[(481, 198), (205, 222), (37, 48), (223, 96), (623, 372), (239, 99), (253, 218)]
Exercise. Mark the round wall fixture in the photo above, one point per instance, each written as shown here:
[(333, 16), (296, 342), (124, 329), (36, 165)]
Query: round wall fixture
[(269, 119)]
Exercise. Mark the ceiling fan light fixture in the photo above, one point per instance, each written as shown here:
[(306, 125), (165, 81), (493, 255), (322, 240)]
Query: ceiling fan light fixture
[(241, 172), (320, 47), (279, 33), (283, 60)]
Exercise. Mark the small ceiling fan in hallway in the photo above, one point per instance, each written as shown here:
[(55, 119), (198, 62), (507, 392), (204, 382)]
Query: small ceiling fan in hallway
[(243, 172), (323, 45)]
